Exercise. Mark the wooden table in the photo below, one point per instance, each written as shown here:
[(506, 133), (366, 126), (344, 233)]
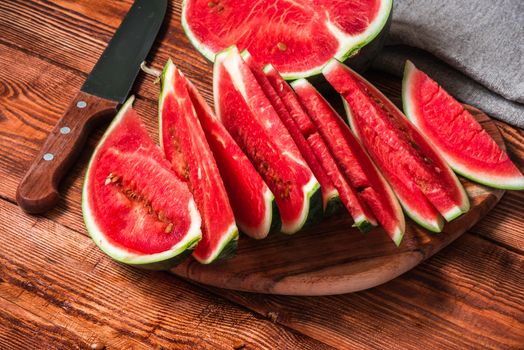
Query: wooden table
[(57, 290)]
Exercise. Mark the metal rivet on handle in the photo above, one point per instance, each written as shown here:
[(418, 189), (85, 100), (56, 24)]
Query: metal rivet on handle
[(48, 156), (81, 104), (65, 130)]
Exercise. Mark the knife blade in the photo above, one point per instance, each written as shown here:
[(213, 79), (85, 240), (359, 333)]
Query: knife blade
[(107, 86)]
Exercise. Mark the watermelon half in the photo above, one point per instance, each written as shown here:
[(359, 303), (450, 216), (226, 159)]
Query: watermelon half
[(372, 190), (135, 208), (248, 115), (252, 201), (297, 37), (184, 144), (423, 182), (330, 196), (455, 133)]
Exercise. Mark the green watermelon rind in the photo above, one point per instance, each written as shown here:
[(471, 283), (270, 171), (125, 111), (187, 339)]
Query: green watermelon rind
[(333, 205), (158, 261), (272, 221), (505, 183), (362, 223), (315, 204), (226, 249), (312, 200), (433, 227), (454, 212), (347, 49), (189, 33), (399, 233), (229, 240)]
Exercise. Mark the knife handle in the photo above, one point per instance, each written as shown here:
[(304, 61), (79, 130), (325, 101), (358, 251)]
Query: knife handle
[(37, 192)]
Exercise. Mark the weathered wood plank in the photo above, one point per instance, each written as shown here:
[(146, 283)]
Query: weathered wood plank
[(58, 290), (34, 92), (30, 28), (469, 296), (74, 34)]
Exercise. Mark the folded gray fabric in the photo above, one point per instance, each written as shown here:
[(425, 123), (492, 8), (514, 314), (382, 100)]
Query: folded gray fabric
[(476, 50)]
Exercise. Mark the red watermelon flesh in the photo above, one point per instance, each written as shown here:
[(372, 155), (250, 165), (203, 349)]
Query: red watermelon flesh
[(397, 147), (135, 208), (182, 134), (455, 133), (251, 199), (362, 215), (353, 161), (298, 38), (248, 115), (290, 100), (329, 192)]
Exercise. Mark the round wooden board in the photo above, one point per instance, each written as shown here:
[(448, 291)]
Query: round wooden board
[(334, 258)]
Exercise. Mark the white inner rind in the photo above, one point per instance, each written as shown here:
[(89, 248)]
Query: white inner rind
[(120, 254), (347, 43), (455, 210), (308, 190), (231, 235), (431, 224), (477, 175), (231, 61), (261, 231), (232, 231)]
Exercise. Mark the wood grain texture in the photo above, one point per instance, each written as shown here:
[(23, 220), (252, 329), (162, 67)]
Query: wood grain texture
[(86, 27), (468, 296), (457, 299), (41, 90), (333, 257), (57, 290)]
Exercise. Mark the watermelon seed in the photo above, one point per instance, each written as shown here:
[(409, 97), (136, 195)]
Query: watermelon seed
[(115, 178), (108, 179), (281, 46), (169, 228), (161, 216), (211, 4)]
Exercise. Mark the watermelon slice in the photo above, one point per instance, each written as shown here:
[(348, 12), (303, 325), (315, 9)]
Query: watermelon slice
[(330, 196), (354, 163), (135, 208), (253, 204), (248, 115), (297, 37), (408, 161), (455, 133), (184, 144)]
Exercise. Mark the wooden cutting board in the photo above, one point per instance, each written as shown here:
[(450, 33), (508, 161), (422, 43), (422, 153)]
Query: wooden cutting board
[(334, 258)]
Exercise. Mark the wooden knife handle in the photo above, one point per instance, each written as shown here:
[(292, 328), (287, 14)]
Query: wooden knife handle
[(37, 192)]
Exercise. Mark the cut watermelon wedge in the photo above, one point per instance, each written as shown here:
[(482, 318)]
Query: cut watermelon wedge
[(248, 115), (253, 204), (183, 141), (297, 37), (354, 163), (455, 133), (330, 196), (403, 154), (135, 208)]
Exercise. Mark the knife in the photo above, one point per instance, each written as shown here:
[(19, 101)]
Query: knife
[(105, 88)]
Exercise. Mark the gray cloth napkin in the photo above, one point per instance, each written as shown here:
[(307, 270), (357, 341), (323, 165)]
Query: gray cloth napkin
[(473, 48)]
